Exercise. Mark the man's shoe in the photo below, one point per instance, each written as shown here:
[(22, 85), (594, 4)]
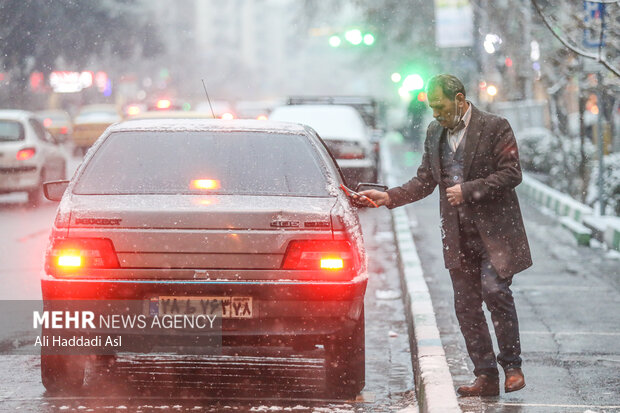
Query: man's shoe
[(483, 386), (514, 380)]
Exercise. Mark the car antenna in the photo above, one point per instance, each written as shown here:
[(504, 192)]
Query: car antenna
[(206, 93)]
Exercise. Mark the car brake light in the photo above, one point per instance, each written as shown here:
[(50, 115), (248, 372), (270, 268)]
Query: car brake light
[(332, 263), (68, 255), (350, 151), (26, 153), (163, 104), (319, 255), (205, 184), (133, 110), (63, 130)]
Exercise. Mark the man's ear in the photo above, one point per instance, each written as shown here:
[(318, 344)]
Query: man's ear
[(460, 98)]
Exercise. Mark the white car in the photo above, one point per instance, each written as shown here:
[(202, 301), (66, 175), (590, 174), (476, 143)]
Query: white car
[(344, 132), (29, 155)]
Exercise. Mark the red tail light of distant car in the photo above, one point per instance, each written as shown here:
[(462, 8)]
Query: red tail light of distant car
[(26, 153)]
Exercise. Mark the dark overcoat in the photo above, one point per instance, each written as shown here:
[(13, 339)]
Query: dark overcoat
[(491, 172)]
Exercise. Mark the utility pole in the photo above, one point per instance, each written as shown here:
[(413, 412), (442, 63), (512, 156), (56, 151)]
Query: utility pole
[(601, 142), (527, 40)]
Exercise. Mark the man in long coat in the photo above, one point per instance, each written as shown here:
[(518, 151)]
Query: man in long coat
[(472, 156)]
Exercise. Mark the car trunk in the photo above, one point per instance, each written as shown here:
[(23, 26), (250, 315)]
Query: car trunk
[(181, 236)]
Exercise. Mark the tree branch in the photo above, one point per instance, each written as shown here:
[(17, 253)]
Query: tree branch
[(580, 52)]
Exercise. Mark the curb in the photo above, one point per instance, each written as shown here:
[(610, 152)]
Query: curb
[(578, 218), (433, 381)]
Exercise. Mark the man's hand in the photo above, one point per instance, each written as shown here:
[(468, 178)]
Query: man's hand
[(378, 197), (455, 195)]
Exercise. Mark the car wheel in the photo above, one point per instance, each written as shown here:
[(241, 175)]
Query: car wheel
[(62, 373), (345, 362), (35, 195)]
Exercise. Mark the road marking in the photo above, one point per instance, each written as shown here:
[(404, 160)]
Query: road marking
[(557, 287), (570, 406), (574, 333)]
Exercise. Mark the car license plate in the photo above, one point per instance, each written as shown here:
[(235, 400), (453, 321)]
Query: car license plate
[(228, 307)]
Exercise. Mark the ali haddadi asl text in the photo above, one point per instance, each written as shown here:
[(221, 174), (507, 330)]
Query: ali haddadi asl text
[(78, 341)]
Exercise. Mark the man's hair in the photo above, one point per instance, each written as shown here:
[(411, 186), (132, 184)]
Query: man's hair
[(450, 85)]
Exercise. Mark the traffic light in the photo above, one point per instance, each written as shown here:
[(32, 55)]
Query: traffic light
[(412, 83), (354, 37)]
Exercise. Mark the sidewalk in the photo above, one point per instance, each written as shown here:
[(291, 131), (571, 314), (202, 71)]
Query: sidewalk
[(568, 305)]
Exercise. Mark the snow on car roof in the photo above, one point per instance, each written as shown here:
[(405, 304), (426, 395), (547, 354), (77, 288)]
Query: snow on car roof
[(206, 125), (330, 121), (15, 114)]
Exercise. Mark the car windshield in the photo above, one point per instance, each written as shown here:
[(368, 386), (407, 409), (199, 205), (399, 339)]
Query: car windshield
[(11, 130), (249, 163)]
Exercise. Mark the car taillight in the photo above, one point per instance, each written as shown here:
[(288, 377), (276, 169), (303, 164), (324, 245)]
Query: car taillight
[(163, 104), (26, 153), (320, 255), (345, 150), (63, 130), (70, 255), (350, 151), (133, 110)]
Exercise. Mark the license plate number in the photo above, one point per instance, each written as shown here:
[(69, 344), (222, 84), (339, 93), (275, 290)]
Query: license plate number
[(228, 307)]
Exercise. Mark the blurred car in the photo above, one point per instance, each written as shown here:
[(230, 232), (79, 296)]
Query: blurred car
[(172, 114), (245, 212), (90, 123), (343, 131), (371, 110), (222, 109), (368, 107), (255, 109), (57, 122), (29, 155)]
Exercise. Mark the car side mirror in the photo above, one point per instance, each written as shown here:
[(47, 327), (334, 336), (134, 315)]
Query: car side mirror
[(54, 190), (363, 186)]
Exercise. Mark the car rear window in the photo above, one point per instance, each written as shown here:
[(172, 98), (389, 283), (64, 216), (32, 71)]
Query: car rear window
[(11, 130), (254, 163)]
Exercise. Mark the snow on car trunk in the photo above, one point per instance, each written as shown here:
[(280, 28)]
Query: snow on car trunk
[(189, 231)]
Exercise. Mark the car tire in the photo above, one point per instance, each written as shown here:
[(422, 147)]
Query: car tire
[(62, 373), (35, 195), (345, 362)]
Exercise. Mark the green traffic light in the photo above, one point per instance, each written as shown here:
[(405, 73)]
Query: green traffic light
[(369, 39), (335, 41), (353, 36), (413, 82)]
